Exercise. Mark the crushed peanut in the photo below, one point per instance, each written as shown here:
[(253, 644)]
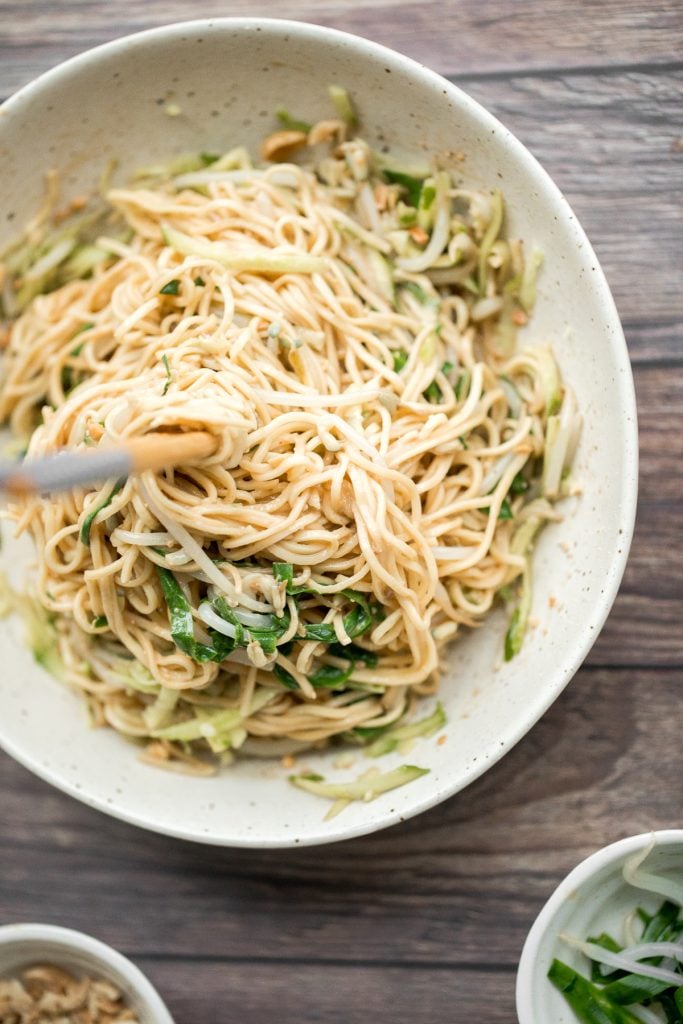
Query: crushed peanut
[(419, 235), (280, 145), (45, 994), (326, 131)]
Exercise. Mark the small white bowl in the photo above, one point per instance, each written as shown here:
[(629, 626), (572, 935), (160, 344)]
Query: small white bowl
[(24, 944), (593, 898)]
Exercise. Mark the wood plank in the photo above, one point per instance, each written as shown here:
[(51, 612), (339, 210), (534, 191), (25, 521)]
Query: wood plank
[(462, 38), (305, 993), (652, 341), (459, 885), (611, 143), (644, 626)]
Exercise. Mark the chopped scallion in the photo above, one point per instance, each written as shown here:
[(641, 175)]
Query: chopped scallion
[(84, 535), (291, 124)]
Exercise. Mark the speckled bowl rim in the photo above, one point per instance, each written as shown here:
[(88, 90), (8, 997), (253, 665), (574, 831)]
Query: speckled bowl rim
[(613, 854), (71, 940), (592, 624)]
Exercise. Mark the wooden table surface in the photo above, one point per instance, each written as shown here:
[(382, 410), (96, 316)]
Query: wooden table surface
[(425, 922)]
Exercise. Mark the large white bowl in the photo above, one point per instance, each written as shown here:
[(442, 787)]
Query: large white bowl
[(227, 76), (593, 898)]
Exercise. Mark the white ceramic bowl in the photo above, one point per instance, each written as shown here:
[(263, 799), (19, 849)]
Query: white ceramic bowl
[(593, 898), (227, 76), (22, 945)]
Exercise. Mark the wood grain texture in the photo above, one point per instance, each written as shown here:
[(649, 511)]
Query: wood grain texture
[(457, 37), (457, 886), (426, 922), (643, 627), (611, 143), (305, 994)]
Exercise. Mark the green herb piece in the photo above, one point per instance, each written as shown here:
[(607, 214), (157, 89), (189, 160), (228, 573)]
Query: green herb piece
[(505, 510), (362, 617), (599, 971), (343, 105), (588, 1002), (68, 379), (356, 622), (400, 357), (181, 623), (285, 677), (634, 988), (411, 185), (415, 289), (331, 677), (291, 124), (323, 632), (223, 609), (199, 281), (408, 219), (519, 484), (267, 635), (172, 288), (354, 653), (433, 393), (427, 196), (658, 925), (268, 638), (169, 376), (100, 622), (283, 572), (462, 384), (84, 535), (514, 636), (426, 208)]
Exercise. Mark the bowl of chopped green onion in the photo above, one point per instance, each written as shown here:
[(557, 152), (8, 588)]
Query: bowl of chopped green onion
[(607, 948)]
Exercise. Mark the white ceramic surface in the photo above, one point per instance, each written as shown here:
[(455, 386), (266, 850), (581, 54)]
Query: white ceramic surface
[(227, 77), (22, 945), (593, 898)]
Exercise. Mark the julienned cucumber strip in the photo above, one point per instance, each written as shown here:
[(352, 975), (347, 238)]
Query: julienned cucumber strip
[(359, 789)]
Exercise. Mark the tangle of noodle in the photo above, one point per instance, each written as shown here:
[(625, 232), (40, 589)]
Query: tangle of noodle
[(378, 433)]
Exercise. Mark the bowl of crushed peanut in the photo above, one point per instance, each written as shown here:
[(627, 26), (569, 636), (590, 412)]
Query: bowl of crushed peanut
[(49, 975)]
